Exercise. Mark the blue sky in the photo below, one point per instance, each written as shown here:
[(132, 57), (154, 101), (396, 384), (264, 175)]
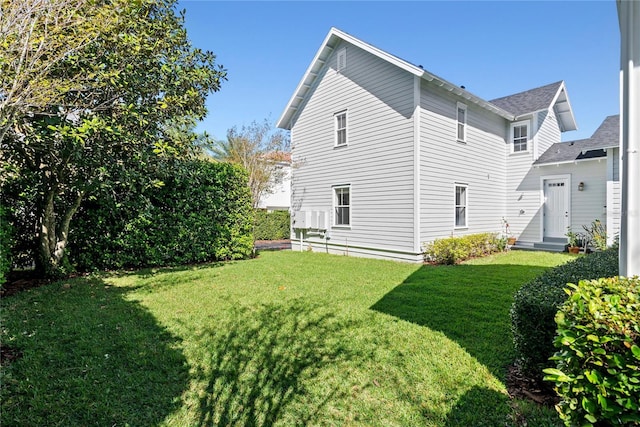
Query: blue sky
[(492, 48)]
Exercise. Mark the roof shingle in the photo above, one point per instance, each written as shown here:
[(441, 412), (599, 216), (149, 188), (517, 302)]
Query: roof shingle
[(528, 101)]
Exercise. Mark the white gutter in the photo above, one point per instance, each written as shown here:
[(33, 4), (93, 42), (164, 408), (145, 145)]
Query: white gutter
[(629, 20)]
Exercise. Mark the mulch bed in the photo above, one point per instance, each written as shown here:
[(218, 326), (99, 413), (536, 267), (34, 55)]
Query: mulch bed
[(524, 387)]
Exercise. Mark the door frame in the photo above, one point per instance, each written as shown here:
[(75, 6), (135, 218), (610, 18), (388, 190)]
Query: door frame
[(543, 178)]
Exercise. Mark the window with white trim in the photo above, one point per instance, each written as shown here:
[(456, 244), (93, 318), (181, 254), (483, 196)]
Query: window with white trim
[(342, 205), (461, 206), (520, 137), (462, 122), (341, 59), (341, 128)]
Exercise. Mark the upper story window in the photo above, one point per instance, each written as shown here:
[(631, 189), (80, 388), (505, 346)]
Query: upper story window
[(341, 59), (341, 128), (461, 206), (342, 205), (520, 137), (462, 122)]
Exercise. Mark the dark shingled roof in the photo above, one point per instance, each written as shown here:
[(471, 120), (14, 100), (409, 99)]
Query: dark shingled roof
[(528, 101), (606, 136)]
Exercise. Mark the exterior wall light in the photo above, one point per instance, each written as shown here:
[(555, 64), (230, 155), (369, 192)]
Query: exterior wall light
[(581, 186)]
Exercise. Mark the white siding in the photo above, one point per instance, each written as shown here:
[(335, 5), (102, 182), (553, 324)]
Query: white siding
[(377, 162), (587, 205), (614, 202), (547, 132), (479, 163)]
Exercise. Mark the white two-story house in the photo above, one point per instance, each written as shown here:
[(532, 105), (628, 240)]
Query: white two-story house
[(388, 156)]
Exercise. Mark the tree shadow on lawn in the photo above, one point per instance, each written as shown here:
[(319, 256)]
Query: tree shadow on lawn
[(265, 360), (468, 303), (480, 406), (89, 357)]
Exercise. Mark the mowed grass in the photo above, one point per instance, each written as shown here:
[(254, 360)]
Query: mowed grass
[(286, 339)]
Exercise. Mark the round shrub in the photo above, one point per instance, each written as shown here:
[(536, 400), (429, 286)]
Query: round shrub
[(537, 302), (455, 249), (598, 360)]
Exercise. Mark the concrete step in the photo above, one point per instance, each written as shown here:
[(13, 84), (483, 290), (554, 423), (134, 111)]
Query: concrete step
[(550, 246)]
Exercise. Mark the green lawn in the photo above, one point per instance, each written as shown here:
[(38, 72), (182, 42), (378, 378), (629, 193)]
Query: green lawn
[(285, 339)]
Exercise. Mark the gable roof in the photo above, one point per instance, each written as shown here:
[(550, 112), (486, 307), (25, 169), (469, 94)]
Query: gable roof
[(547, 97), (542, 98), (332, 40), (606, 136)]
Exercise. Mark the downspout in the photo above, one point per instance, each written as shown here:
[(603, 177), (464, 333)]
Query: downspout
[(629, 20)]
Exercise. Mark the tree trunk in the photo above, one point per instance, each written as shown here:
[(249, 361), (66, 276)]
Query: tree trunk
[(53, 236)]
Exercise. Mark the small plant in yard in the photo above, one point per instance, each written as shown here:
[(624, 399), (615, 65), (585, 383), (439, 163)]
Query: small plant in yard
[(452, 250), (598, 359), (596, 234)]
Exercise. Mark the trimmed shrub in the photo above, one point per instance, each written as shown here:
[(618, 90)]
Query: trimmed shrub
[(537, 302), (198, 211), (5, 246), (455, 249), (274, 225), (598, 359)]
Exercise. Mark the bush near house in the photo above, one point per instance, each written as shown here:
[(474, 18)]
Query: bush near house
[(598, 360), (200, 212), (456, 249), (537, 302), (274, 225), (5, 246)]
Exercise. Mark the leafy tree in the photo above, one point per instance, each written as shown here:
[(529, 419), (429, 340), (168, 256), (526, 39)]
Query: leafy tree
[(116, 95), (260, 150), (36, 38)]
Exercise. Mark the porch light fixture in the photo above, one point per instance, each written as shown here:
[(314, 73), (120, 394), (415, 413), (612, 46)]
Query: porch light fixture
[(581, 186)]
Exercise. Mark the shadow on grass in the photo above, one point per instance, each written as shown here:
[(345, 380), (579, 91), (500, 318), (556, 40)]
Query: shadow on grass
[(468, 303), (89, 357), (480, 407), (264, 360)]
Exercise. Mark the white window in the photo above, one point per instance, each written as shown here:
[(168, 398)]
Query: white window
[(462, 122), (341, 59), (342, 205), (520, 137), (461, 206), (341, 128)]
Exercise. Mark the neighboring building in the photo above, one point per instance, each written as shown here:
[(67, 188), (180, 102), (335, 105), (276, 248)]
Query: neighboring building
[(389, 156), (279, 197)]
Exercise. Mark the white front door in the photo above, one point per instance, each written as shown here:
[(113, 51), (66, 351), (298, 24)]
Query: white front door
[(556, 207)]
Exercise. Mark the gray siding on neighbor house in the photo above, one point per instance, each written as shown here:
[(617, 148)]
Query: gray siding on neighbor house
[(548, 132), (524, 196), (479, 163), (378, 160)]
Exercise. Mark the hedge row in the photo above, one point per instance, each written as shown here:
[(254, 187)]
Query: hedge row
[(5, 246), (274, 225), (452, 250), (199, 211), (537, 302), (598, 360)]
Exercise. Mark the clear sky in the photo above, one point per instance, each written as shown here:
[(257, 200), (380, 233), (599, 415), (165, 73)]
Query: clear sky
[(494, 49)]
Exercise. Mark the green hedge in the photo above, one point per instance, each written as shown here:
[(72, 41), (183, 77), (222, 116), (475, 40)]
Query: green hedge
[(274, 225), (455, 249), (5, 246), (536, 303), (598, 359), (199, 211)]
